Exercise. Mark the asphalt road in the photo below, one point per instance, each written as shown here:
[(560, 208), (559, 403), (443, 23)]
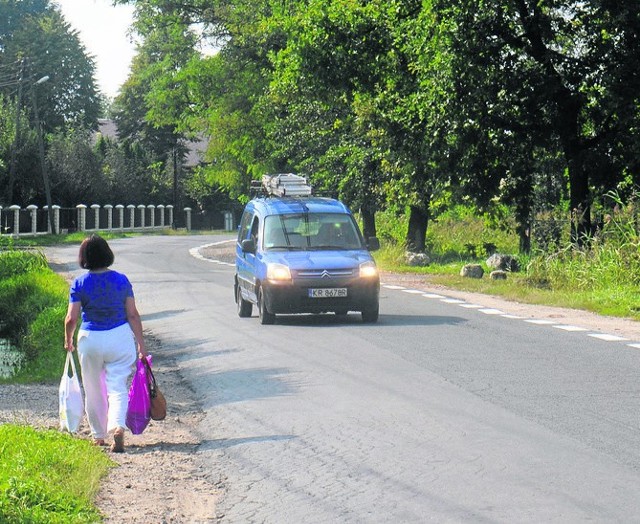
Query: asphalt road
[(439, 412)]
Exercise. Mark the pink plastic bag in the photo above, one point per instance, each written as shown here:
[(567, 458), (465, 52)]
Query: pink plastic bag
[(139, 410)]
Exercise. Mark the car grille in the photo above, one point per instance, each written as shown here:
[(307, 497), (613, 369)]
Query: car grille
[(324, 273)]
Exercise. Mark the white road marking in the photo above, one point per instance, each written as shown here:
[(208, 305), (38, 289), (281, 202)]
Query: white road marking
[(571, 328), (195, 252), (608, 338), (491, 311)]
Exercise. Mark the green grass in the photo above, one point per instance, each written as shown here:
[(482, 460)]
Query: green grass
[(48, 477), (603, 278)]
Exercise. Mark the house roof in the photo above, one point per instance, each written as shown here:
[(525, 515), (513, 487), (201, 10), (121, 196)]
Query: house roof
[(195, 148)]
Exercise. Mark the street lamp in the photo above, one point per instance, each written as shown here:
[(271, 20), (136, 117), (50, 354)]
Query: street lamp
[(43, 164)]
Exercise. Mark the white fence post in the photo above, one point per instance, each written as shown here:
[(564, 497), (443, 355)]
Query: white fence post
[(33, 209), (56, 219), (96, 216), (109, 209), (142, 208), (161, 208), (120, 209), (187, 210), (16, 219), (152, 216), (82, 217), (170, 208), (132, 215)]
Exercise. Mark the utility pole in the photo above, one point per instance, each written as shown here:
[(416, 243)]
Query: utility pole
[(16, 138), (43, 163)]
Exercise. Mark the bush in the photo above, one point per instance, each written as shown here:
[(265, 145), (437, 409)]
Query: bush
[(24, 297), (14, 262), (33, 301)]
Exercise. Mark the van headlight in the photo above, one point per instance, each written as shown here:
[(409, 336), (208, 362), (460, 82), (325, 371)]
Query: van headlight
[(368, 270), (278, 273)]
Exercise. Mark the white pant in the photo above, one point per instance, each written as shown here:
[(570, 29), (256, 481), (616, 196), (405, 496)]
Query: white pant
[(106, 360)]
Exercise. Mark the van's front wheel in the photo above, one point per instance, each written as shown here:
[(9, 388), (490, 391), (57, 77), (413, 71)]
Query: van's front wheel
[(370, 315), (266, 317)]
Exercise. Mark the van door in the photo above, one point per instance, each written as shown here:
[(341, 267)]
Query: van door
[(246, 260)]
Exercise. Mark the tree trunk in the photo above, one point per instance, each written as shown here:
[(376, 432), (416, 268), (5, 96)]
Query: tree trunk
[(368, 223), (568, 107), (417, 230), (579, 199)]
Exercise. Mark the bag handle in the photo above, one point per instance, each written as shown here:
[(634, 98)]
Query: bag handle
[(151, 379), (71, 360)]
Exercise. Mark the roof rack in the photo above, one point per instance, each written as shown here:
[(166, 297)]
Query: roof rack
[(282, 185)]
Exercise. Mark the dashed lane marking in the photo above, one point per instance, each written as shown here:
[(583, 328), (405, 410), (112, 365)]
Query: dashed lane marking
[(492, 311), (571, 328), (608, 338), (195, 252)]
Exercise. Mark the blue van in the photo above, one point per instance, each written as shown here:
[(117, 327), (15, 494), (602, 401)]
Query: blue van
[(298, 253)]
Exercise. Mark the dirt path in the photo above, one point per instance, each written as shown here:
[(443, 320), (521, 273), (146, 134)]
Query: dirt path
[(158, 478)]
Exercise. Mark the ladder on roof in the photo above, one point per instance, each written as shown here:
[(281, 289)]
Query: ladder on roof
[(286, 184)]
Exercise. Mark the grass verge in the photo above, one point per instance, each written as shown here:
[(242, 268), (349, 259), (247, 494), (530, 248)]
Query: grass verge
[(48, 477)]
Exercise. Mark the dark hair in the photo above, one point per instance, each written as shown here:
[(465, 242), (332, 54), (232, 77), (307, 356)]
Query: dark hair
[(95, 253)]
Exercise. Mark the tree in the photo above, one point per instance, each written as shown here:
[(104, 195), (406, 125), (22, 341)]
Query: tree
[(36, 42), (561, 72)]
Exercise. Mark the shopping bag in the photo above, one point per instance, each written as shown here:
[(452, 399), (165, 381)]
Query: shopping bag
[(158, 402), (70, 396), (139, 408)]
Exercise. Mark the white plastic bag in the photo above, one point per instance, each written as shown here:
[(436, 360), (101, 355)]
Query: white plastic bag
[(71, 402)]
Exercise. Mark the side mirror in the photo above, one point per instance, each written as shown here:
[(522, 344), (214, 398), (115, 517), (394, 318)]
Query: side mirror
[(248, 246), (373, 244)]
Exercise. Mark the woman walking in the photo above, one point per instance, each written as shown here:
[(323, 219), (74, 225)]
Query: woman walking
[(109, 330)]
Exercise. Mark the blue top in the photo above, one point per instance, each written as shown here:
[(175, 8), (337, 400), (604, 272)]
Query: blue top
[(103, 297)]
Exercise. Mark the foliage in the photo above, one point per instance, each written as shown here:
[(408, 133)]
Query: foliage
[(48, 477), (462, 233), (36, 42)]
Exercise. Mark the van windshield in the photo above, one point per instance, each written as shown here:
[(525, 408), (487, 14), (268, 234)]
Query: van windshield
[(311, 231)]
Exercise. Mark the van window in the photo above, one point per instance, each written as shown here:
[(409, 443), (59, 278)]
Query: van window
[(245, 225), (311, 231)]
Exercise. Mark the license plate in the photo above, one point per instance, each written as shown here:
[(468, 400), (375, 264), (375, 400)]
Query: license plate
[(328, 292)]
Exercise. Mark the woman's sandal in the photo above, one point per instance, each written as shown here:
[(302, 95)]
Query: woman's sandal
[(98, 442), (118, 441)]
